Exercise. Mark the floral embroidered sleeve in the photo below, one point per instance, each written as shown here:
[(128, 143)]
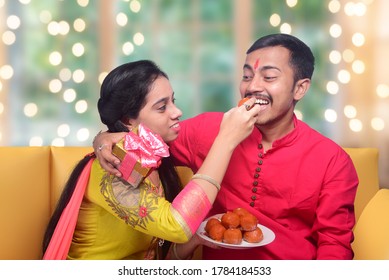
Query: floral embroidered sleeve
[(144, 208)]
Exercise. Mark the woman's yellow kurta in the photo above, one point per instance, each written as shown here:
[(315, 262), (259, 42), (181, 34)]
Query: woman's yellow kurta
[(117, 221)]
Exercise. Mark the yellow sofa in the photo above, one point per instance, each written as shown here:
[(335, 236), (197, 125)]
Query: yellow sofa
[(32, 179), (31, 182), (372, 229)]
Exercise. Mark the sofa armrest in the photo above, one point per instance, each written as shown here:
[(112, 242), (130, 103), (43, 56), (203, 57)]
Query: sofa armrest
[(366, 163), (372, 229)]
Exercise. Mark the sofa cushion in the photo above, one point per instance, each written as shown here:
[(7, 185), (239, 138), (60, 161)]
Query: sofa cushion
[(63, 160), (25, 193), (372, 229), (366, 163)]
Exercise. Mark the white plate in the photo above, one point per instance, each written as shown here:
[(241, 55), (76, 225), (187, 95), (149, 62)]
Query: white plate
[(268, 236)]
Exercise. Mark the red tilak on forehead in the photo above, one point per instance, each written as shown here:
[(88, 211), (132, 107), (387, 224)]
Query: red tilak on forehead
[(256, 64)]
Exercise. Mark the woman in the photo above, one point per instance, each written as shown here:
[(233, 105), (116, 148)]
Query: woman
[(119, 220)]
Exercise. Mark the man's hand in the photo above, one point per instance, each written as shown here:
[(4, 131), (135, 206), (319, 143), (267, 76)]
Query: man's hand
[(102, 145)]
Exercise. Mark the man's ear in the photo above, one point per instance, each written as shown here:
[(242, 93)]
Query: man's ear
[(301, 88)]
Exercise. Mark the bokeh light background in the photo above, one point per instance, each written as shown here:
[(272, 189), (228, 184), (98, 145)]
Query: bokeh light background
[(55, 53)]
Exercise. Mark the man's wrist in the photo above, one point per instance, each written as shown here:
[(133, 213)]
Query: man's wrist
[(94, 138)]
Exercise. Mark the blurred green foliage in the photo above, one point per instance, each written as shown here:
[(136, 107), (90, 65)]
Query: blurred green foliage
[(192, 40)]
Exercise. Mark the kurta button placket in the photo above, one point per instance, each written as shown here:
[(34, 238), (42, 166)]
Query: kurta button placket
[(256, 176)]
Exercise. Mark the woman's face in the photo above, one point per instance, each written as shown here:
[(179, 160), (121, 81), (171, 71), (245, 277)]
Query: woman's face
[(160, 114)]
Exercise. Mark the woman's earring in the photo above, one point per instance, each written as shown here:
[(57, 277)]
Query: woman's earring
[(129, 127)]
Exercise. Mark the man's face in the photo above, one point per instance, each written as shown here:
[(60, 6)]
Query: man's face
[(268, 76)]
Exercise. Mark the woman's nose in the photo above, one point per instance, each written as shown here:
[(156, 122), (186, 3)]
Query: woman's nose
[(177, 113)]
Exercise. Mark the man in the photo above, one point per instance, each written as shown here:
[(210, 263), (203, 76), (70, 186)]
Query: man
[(297, 182)]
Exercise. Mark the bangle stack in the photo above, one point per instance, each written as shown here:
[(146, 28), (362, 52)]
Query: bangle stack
[(208, 179)]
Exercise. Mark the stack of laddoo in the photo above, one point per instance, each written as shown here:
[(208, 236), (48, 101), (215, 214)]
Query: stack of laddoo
[(233, 227)]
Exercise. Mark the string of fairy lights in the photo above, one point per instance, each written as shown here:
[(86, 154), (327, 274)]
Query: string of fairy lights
[(347, 56), (358, 66), (55, 58), (55, 27)]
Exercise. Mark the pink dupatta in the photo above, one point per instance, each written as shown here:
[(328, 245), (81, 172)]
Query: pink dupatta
[(61, 240)]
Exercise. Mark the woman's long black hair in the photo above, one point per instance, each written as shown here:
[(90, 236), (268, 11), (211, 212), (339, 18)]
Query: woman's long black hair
[(122, 96)]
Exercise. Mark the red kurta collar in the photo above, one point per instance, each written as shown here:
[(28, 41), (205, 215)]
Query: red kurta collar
[(289, 138)]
